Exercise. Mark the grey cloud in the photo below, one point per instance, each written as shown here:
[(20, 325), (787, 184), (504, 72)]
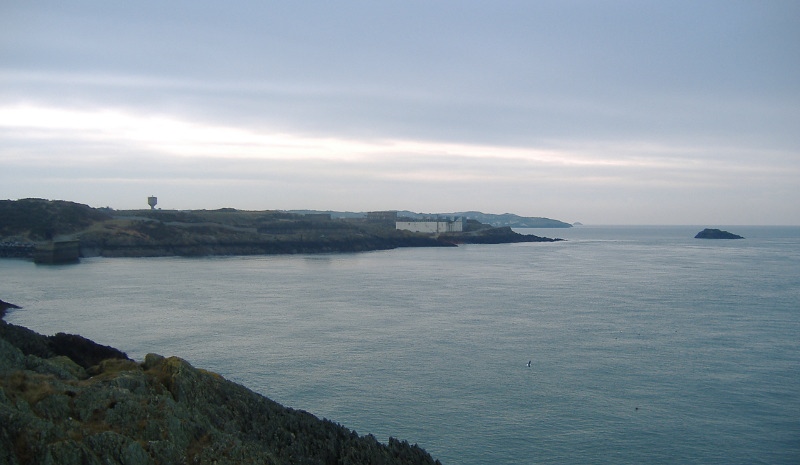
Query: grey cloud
[(580, 75)]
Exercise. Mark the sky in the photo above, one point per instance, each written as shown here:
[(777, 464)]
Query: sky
[(600, 112)]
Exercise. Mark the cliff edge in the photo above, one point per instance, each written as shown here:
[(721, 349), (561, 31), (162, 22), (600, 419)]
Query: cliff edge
[(67, 400)]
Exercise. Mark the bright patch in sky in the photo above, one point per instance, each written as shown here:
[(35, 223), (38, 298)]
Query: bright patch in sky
[(599, 112), (177, 137)]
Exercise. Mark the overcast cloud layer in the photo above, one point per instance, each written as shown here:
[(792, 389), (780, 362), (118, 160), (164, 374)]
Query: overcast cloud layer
[(617, 112)]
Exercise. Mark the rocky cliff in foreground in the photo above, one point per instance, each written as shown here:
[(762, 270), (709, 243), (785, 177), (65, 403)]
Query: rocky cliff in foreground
[(67, 400)]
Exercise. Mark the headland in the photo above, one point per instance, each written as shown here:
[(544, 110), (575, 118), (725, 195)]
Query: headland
[(46, 228)]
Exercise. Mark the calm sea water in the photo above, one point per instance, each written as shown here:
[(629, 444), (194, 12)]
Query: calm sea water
[(647, 346)]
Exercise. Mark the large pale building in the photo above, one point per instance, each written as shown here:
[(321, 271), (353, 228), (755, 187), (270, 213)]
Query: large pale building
[(432, 226)]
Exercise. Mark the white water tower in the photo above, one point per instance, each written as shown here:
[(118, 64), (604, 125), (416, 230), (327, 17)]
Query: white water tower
[(152, 201)]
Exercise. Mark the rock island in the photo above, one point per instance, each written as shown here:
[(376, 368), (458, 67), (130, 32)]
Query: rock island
[(716, 234)]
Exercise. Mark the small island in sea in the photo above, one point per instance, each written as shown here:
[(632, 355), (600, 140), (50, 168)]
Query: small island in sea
[(65, 399), (709, 233)]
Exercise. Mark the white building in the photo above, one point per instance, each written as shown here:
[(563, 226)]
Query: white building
[(437, 226)]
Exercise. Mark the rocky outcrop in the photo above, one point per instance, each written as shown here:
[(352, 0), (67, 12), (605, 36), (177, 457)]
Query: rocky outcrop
[(83, 352), (4, 306), (56, 410), (503, 235), (716, 234)]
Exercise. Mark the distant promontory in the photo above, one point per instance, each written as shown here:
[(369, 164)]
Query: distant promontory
[(40, 227), (709, 233)]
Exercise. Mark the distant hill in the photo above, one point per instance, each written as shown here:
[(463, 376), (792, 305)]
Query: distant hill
[(334, 214), (496, 220), (40, 219)]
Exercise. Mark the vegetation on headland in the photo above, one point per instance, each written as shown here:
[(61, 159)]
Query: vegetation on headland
[(67, 400), (150, 233)]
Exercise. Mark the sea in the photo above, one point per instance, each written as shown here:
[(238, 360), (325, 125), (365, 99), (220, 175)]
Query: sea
[(645, 344)]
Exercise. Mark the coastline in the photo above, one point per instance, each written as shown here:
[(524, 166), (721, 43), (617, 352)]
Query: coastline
[(60, 231)]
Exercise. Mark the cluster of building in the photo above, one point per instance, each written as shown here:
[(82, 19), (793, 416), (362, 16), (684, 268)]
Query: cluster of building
[(430, 225)]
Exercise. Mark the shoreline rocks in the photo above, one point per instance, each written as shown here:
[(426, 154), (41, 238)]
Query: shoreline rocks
[(500, 235), (4, 306)]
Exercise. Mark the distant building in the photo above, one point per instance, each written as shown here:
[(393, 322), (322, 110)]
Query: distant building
[(382, 217), (152, 201), (317, 216), (432, 226)]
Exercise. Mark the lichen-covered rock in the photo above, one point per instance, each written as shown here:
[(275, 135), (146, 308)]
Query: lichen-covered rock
[(54, 411)]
